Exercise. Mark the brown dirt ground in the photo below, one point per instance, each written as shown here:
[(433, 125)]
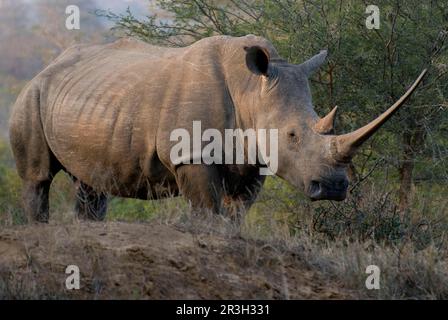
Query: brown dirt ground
[(151, 261)]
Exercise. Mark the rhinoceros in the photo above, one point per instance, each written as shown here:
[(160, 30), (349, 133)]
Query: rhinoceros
[(104, 115)]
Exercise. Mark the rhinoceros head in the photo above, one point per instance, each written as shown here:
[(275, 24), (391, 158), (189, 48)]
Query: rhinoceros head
[(310, 155)]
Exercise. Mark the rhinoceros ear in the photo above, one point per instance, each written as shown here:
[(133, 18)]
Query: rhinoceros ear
[(257, 60), (310, 66)]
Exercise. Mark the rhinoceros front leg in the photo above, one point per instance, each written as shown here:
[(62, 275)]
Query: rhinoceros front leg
[(202, 186), (244, 190), (90, 205)]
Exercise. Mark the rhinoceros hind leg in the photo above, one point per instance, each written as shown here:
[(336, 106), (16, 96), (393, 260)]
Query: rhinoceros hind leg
[(35, 200), (202, 186), (35, 162), (90, 205)]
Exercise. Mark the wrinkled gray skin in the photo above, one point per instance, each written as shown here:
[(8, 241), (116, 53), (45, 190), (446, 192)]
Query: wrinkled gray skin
[(104, 115)]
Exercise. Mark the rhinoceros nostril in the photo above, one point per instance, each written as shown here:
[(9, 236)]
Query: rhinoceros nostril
[(315, 189)]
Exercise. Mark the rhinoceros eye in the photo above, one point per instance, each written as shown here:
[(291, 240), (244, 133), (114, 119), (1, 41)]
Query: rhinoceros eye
[(293, 137)]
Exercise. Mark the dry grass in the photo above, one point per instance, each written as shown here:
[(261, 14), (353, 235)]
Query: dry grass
[(335, 240)]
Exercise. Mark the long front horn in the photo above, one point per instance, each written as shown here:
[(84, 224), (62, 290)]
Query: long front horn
[(347, 144)]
